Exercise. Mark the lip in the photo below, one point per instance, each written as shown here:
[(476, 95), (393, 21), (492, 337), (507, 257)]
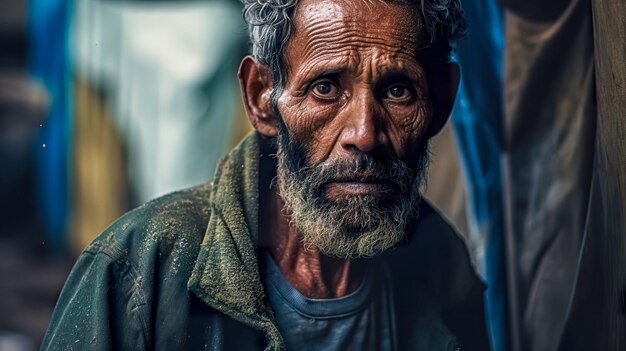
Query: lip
[(356, 188)]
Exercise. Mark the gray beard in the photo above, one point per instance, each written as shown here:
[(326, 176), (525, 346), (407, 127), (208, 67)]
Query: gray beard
[(354, 226)]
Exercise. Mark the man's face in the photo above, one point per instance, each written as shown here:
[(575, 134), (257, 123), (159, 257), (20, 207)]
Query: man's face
[(353, 117)]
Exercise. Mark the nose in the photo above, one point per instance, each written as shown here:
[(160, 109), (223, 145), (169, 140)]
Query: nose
[(364, 128)]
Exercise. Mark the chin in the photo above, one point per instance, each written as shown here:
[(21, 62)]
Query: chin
[(353, 226)]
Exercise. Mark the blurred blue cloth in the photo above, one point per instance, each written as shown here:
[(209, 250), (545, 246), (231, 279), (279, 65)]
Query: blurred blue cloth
[(477, 121), (48, 61)]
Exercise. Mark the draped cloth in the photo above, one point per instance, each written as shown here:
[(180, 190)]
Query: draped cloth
[(597, 314), (564, 173), (168, 70)]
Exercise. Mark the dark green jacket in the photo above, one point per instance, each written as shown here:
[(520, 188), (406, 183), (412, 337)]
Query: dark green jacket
[(180, 273)]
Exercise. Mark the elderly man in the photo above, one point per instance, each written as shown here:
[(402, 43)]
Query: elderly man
[(312, 234)]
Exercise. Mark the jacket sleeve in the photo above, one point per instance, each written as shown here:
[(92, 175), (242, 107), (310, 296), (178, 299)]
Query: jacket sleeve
[(101, 306)]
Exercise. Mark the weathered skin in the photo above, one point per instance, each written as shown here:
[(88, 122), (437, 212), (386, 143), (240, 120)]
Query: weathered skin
[(352, 86), (358, 62)]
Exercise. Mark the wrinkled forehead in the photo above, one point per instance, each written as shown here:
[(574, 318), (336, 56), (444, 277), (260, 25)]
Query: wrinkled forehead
[(331, 24)]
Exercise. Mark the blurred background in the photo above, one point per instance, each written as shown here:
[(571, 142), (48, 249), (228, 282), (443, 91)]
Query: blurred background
[(107, 104)]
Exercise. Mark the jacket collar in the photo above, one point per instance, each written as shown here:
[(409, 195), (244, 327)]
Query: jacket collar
[(226, 274)]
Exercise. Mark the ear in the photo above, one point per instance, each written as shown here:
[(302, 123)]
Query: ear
[(443, 86), (255, 81)]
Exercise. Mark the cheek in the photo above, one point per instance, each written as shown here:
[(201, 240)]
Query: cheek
[(411, 122), (311, 124), (408, 128)]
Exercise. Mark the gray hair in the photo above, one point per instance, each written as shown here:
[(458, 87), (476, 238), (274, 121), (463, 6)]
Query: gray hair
[(270, 25)]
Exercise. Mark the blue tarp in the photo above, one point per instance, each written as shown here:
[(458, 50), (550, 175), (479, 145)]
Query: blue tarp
[(477, 122), (48, 62)]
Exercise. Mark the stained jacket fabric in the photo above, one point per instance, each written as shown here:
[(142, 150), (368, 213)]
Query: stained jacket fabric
[(181, 273)]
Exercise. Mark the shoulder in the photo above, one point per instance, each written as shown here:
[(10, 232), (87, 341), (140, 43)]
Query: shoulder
[(167, 229), (439, 258), (446, 253), (436, 264), (137, 266)]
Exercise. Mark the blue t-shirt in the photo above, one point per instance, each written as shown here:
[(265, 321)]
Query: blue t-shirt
[(362, 320)]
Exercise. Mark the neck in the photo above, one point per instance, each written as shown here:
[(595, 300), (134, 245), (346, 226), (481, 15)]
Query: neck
[(314, 274)]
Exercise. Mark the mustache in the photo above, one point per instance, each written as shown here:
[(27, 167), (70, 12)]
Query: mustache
[(361, 168)]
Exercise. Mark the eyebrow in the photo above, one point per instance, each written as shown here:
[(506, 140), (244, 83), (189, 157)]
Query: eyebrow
[(333, 68), (337, 66)]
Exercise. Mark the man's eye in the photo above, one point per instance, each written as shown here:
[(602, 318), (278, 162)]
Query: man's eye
[(325, 90), (398, 92)]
